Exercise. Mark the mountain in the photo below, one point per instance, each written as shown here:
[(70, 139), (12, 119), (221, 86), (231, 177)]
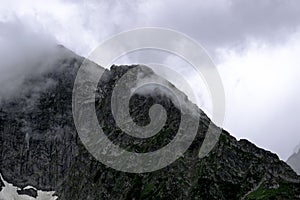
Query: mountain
[(40, 146), (294, 161)]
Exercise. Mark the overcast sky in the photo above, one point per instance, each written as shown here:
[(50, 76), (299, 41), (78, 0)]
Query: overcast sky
[(255, 45)]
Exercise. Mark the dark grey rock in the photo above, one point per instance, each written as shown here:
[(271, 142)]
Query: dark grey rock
[(29, 192), (40, 147)]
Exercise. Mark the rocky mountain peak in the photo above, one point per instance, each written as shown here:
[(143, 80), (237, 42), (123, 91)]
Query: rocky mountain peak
[(40, 146)]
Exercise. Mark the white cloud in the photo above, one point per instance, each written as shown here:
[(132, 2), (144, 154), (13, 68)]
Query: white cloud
[(262, 89), (81, 25)]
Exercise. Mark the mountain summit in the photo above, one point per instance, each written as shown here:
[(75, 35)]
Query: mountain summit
[(40, 146)]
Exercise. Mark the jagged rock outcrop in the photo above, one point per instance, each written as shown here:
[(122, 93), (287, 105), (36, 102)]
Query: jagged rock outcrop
[(40, 147)]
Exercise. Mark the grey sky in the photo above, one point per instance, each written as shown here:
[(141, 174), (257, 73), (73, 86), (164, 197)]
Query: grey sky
[(253, 43)]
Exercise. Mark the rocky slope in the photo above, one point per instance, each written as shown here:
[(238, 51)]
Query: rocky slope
[(40, 147)]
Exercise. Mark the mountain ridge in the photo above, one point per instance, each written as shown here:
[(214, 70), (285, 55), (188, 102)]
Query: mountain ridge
[(39, 134)]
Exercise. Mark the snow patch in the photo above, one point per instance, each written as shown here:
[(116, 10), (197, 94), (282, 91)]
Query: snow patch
[(9, 192)]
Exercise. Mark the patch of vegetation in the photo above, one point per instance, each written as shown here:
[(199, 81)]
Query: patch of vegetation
[(284, 191), (147, 190)]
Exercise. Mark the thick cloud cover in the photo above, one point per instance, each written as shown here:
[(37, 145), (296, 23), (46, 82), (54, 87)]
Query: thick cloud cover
[(82, 24), (227, 23), (254, 44), (23, 52)]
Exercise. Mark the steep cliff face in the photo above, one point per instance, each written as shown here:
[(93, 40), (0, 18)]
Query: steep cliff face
[(40, 147), (294, 161)]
